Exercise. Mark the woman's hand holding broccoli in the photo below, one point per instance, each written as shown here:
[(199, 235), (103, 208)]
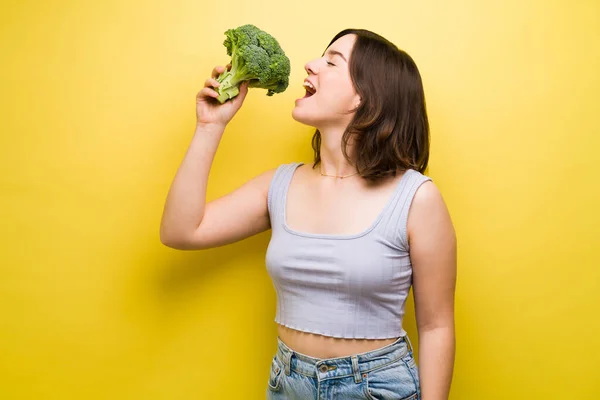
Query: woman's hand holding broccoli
[(257, 60), (210, 112)]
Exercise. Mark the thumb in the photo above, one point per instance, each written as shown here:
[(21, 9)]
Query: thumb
[(243, 92)]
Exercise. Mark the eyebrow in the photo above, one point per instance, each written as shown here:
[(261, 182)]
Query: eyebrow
[(336, 53)]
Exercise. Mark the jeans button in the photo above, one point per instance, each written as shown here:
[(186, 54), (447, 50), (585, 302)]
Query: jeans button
[(323, 368)]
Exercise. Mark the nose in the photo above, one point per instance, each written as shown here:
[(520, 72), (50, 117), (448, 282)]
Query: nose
[(311, 67)]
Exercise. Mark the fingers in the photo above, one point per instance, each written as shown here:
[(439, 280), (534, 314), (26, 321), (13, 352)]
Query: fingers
[(211, 83), (207, 92), (218, 71)]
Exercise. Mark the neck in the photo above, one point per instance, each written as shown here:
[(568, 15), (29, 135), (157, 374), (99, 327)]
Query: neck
[(333, 162)]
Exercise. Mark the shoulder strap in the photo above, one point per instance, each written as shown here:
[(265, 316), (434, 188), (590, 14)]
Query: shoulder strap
[(398, 213), (278, 191)]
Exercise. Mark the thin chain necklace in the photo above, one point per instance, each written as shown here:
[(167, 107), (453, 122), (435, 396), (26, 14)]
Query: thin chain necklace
[(337, 176)]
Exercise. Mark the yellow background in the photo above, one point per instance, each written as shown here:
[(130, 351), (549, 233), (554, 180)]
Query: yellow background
[(97, 110)]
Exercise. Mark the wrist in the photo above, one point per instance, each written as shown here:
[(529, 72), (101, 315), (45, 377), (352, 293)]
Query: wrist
[(210, 127)]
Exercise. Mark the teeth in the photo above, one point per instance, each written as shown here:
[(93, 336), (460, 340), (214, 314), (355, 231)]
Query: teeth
[(309, 85)]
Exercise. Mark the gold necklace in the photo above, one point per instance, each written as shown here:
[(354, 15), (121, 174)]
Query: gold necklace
[(336, 176)]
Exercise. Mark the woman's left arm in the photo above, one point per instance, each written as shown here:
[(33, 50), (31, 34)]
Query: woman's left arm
[(432, 242)]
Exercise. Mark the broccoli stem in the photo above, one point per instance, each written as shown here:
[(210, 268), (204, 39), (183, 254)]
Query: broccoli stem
[(228, 93), (228, 86), (230, 81)]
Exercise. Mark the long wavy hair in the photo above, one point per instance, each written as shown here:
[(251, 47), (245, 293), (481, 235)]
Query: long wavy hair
[(390, 130)]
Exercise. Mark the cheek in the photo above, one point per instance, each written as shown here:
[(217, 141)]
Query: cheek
[(342, 99), (344, 90)]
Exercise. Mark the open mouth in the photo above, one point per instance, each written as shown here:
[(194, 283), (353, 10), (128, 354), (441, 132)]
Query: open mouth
[(310, 89)]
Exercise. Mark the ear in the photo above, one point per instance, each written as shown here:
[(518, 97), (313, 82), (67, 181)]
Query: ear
[(357, 101)]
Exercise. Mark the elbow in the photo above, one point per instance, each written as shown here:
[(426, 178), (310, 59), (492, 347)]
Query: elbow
[(441, 327), (180, 241), (175, 243), (170, 239)]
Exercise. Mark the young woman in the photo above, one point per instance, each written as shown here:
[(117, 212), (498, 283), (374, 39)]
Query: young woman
[(351, 232)]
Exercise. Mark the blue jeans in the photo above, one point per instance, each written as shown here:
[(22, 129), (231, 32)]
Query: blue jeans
[(386, 373)]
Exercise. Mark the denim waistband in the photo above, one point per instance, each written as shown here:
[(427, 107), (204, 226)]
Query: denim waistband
[(339, 367)]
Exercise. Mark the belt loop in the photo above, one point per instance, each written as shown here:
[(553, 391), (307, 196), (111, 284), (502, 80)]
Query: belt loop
[(287, 361), (409, 344), (357, 376)]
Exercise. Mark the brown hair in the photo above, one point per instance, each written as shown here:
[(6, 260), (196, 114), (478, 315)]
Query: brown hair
[(390, 130)]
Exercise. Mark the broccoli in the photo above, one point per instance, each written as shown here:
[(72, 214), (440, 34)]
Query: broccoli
[(255, 57)]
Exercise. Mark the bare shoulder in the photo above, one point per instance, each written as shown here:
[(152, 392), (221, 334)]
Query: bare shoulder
[(263, 180), (428, 195), (254, 191), (429, 212), (256, 187)]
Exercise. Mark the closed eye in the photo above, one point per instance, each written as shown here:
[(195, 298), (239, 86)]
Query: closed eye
[(330, 63)]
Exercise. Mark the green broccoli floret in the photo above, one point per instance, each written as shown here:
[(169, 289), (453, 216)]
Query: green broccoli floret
[(255, 57)]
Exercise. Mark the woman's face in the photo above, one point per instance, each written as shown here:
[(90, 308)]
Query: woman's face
[(331, 99)]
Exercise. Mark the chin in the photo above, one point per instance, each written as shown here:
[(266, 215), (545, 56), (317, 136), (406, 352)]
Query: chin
[(302, 116)]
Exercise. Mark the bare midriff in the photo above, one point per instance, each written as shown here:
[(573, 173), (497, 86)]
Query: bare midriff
[(319, 346)]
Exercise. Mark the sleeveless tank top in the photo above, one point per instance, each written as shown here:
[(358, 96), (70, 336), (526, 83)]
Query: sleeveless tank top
[(345, 286)]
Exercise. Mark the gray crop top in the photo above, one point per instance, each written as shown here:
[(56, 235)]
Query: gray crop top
[(345, 286)]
